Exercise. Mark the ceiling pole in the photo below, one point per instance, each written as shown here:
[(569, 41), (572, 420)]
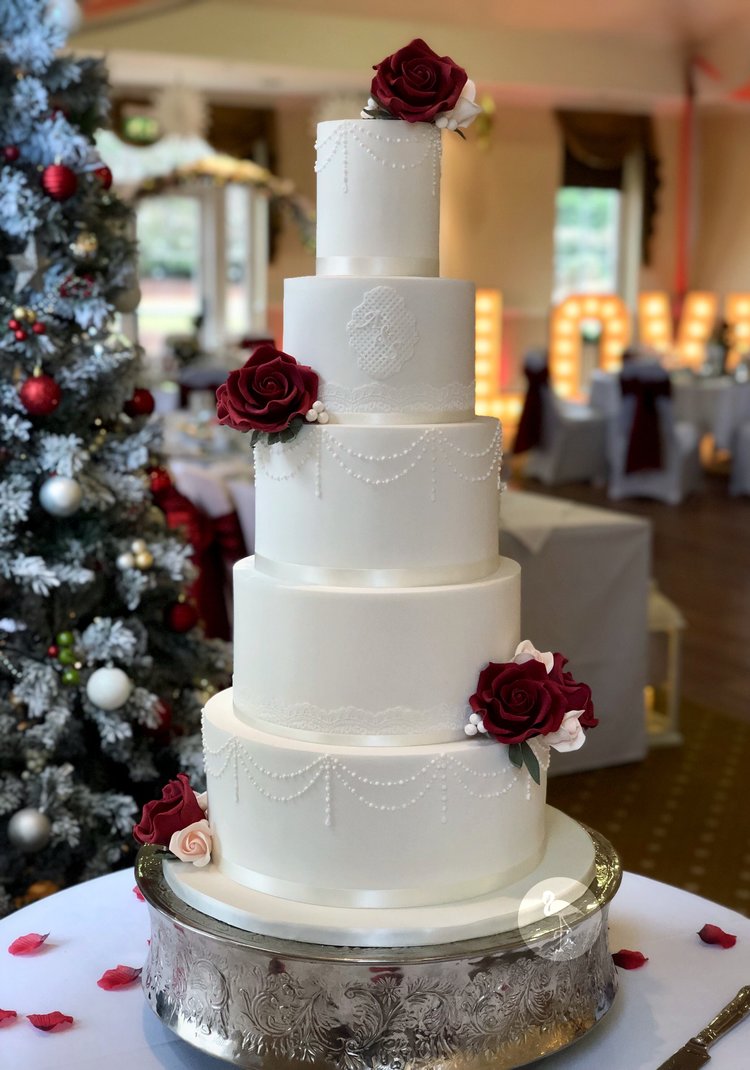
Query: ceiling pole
[(685, 179)]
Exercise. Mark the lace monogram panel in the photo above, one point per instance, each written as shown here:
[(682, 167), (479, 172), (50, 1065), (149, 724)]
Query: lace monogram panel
[(382, 332)]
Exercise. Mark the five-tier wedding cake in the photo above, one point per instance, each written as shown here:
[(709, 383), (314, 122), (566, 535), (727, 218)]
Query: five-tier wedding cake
[(376, 775)]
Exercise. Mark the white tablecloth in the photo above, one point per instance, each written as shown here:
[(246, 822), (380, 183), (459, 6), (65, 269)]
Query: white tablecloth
[(584, 592), (97, 925), (698, 400)]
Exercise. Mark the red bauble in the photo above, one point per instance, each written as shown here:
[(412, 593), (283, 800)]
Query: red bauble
[(160, 481), (181, 616), (141, 403), (13, 325), (20, 335), (40, 395), (104, 175), (53, 651), (38, 328), (59, 182), (11, 153)]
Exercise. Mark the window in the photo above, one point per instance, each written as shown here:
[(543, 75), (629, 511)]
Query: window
[(202, 247), (587, 230), (168, 230)]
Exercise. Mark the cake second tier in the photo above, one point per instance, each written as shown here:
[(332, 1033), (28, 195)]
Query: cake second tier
[(398, 349)]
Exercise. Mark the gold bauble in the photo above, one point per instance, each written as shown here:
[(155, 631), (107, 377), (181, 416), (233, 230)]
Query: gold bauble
[(144, 559), (85, 245)]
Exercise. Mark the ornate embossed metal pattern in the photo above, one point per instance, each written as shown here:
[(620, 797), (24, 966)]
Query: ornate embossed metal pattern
[(259, 1002)]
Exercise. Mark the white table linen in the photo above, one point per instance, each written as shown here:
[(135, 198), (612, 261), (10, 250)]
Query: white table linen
[(732, 411), (97, 925), (697, 399), (584, 592)]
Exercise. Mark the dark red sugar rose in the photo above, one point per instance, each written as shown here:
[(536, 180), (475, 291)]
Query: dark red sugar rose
[(415, 84), (176, 809), (578, 695), (517, 702), (267, 393)]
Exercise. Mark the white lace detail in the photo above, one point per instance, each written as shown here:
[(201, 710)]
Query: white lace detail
[(236, 759), (382, 397), (382, 332), (355, 721)]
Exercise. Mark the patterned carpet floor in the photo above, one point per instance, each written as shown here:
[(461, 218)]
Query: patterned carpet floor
[(682, 815)]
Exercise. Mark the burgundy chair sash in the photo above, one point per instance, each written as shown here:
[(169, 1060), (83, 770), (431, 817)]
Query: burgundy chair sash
[(217, 542), (645, 442), (529, 432)]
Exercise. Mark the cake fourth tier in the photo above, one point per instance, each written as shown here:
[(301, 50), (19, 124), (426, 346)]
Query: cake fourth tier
[(367, 666)]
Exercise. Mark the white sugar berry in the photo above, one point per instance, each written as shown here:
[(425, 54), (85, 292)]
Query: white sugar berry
[(311, 416), (318, 406), (323, 417), (474, 718), (470, 729), (482, 728)]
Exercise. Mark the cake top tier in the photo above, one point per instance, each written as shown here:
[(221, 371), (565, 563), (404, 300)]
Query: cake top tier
[(378, 197), (379, 176)]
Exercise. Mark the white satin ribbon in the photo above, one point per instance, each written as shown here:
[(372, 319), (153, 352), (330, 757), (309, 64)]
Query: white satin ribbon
[(444, 575), (393, 419), (340, 739), (381, 897), (420, 266)]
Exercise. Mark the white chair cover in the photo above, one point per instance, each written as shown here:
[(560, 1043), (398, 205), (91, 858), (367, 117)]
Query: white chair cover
[(680, 473)]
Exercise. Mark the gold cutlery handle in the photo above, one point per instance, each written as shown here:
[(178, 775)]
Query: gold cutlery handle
[(727, 1018)]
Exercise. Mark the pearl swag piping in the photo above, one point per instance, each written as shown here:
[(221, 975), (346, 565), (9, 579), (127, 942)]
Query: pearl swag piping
[(430, 142), (233, 755), (432, 442)]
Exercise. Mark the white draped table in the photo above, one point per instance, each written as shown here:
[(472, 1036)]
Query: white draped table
[(100, 924), (584, 592)]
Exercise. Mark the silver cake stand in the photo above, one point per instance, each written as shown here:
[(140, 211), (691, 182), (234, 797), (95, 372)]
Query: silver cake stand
[(499, 1002)]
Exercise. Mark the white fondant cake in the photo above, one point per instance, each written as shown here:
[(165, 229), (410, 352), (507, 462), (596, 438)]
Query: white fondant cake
[(343, 793)]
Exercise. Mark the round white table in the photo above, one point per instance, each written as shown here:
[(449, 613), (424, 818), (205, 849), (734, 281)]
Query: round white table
[(95, 926)]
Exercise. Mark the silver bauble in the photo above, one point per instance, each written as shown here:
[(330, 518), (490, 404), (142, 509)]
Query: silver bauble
[(64, 13), (109, 688), (60, 496), (29, 830)]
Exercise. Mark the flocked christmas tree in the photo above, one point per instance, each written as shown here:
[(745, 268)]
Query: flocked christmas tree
[(102, 672)]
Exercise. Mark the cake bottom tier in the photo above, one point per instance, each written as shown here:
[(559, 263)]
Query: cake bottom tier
[(560, 878), (366, 827)]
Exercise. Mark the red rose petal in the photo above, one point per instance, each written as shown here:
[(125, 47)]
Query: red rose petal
[(48, 1022), (24, 945), (138, 893), (119, 977), (6, 1016), (629, 960), (712, 934)]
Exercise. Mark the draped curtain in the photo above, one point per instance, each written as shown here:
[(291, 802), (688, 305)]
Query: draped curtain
[(596, 145)]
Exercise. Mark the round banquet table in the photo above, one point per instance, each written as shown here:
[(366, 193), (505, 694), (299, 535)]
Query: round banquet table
[(100, 924)]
